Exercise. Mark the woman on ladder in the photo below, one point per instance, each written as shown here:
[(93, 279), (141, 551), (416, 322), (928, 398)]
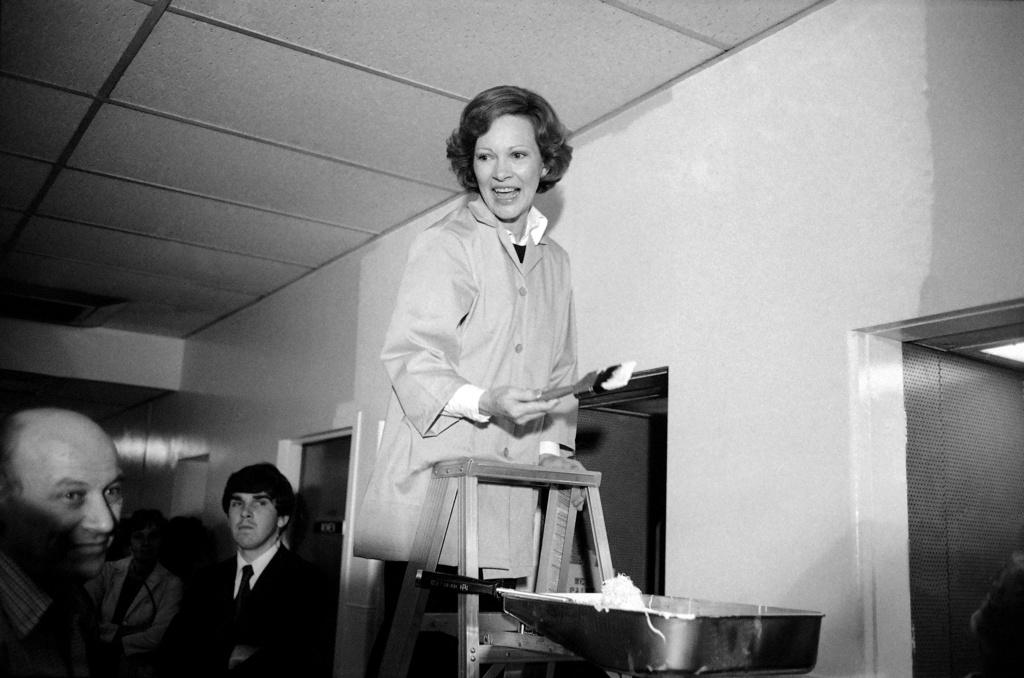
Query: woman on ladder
[(483, 323)]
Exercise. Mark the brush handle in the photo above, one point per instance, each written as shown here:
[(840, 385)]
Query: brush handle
[(582, 386), (426, 579), (559, 392)]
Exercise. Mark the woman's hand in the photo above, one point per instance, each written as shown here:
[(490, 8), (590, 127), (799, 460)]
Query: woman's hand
[(559, 463), (520, 405)]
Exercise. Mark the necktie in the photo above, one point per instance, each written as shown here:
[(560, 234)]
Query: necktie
[(243, 590)]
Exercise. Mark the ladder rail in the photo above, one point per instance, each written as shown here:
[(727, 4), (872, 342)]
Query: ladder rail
[(412, 601), (452, 499), (469, 605)]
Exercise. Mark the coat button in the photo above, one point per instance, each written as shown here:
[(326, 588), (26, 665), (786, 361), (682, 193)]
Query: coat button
[(505, 452), (522, 291), (519, 348)]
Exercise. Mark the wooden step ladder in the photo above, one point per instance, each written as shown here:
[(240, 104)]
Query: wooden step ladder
[(494, 638)]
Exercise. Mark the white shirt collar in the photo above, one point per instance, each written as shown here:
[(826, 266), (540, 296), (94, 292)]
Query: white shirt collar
[(536, 225), (258, 565)]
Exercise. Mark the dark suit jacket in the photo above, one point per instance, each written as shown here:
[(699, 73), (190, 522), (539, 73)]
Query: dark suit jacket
[(287, 616)]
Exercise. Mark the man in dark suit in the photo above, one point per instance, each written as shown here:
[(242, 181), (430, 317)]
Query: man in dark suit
[(262, 612)]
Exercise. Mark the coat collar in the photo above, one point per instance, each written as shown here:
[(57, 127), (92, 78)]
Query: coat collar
[(538, 234)]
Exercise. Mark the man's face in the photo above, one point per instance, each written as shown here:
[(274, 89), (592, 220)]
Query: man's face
[(61, 498), (254, 522), (145, 544)]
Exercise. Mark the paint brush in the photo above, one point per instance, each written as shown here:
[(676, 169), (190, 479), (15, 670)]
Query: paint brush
[(608, 379)]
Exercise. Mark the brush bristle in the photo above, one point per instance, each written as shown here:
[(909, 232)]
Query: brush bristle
[(618, 377)]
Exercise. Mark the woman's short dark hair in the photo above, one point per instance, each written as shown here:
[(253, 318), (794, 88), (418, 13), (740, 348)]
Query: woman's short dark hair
[(495, 102), (261, 478)]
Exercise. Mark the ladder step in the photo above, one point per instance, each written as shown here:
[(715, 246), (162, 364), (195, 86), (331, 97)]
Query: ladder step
[(515, 474)]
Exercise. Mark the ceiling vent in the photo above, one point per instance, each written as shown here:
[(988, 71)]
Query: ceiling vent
[(56, 306)]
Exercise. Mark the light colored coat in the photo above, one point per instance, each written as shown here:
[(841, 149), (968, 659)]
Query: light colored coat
[(469, 312), (149, 614)]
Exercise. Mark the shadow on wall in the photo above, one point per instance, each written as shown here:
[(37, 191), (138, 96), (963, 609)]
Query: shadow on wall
[(974, 61)]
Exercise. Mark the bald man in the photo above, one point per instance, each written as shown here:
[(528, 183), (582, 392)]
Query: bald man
[(60, 499)]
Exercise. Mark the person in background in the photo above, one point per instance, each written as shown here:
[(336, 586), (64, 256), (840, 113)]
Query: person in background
[(186, 547), (60, 500), (261, 612), (999, 622), (482, 324), (137, 598)]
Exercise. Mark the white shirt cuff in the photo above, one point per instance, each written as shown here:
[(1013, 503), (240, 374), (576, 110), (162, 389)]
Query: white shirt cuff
[(549, 447), (465, 402)]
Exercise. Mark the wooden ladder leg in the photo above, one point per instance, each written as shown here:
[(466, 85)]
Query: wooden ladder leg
[(556, 541), (594, 520), (426, 550)]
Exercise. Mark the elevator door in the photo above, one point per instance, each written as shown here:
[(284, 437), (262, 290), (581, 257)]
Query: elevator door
[(965, 483)]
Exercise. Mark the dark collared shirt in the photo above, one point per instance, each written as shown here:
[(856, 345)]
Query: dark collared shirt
[(39, 636)]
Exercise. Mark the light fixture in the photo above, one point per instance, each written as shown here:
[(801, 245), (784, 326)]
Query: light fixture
[(1009, 351)]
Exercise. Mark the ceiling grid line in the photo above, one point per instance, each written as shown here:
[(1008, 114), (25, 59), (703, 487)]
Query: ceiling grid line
[(664, 23), (383, 233), (164, 238), (28, 80), (249, 33), (224, 201), (728, 52), (254, 296), (148, 24), (270, 142)]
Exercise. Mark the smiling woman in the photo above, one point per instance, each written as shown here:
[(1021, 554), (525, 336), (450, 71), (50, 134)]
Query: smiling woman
[(482, 325), (508, 167)]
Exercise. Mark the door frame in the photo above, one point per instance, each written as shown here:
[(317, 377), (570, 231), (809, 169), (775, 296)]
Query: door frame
[(289, 462)]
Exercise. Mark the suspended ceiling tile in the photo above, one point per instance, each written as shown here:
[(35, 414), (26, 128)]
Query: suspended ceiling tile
[(123, 205), (100, 392), (162, 320), (38, 121), (21, 179), (29, 385), (131, 252), (586, 57), (74, 44), (95, 399), (176, 296), (8, 220), (95, 278), (156, 150), (729, 23), (206, 73)]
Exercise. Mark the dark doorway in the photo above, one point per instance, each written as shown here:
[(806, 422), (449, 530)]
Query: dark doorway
[(622, 434), (322, 490)]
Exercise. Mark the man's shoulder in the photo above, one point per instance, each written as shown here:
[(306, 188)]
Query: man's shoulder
[(290, 559), (292, 570)]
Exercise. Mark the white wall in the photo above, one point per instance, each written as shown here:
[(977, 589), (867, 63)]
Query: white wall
[(772, 204), (737, 227)]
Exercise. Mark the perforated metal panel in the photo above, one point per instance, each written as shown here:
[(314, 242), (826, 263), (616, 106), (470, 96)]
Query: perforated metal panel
[(965, 477)]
